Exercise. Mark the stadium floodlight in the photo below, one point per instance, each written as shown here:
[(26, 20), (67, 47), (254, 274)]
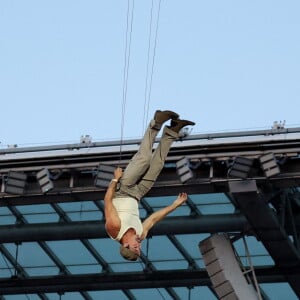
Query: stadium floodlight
[(184, 170), (240, 167), (104, 175), (44, 179), (15, 183), (269, 165)]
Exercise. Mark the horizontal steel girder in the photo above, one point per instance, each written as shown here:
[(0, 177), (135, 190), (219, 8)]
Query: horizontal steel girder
[(96, 229), (118, 281), (165, 186)]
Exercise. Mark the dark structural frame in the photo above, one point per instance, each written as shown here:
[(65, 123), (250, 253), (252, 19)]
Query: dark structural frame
[(259, 171)]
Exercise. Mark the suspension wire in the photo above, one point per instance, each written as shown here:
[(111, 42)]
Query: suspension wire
[(147, 249), (126, 67), (189, 295), (17, 256), (163, 297), (147, 69), (7, 265), (153, 57), (148, 87), (143, 265)]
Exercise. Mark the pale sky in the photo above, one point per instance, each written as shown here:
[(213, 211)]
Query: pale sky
[(224, 64)]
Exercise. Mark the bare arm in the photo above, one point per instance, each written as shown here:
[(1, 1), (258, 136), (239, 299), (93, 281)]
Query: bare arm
[(160, 214), (112, 220)]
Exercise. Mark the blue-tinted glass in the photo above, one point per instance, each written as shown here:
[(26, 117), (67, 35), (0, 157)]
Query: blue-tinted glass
[(73, 253), (171, 264), (160, 250), (190, 242), (108, 249), (211, 209), (128, 266), (42, 213), (157, 203), (6, 269), (6, 216), (109, 295), (258, 253), (151, 294), (195, 293), (37, 208), (82, 211), (157, 249), (22, 297), (279, 291), (206, 199), (84, 268), (212, 203), (65, 296), (32, 258)]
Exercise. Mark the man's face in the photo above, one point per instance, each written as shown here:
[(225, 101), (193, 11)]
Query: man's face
[(135, 245)]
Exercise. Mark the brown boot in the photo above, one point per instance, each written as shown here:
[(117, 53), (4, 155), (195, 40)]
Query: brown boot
[(162, 116), (177, 125)]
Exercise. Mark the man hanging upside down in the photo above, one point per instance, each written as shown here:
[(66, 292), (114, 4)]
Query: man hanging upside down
[(123, 223)]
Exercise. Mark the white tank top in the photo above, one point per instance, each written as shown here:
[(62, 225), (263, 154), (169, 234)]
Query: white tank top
[(128, 211)]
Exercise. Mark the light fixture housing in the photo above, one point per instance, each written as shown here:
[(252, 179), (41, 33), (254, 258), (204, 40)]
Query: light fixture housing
[(15, 183), (44, 179), (184, 170), (104, 175), (269, 164), (240, 168)]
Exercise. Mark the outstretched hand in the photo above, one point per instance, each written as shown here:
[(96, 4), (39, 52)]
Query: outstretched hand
[(182, 197)]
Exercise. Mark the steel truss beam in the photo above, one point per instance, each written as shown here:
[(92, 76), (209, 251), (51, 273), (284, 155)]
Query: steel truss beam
[(167, 185), (76, 167)]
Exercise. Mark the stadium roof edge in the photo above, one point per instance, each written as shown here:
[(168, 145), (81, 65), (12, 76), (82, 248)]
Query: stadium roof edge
[(185, 140)]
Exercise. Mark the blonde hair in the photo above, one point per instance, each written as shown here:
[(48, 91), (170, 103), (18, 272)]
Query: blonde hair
[(128, 254)]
